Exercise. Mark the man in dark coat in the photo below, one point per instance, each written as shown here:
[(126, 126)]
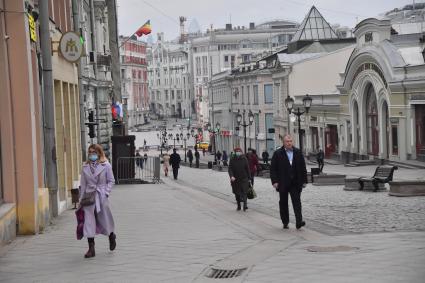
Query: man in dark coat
[(239, 177), (197, 156), (288, 174), (320, 159), (265, 156), (175, 163), (190, 157)]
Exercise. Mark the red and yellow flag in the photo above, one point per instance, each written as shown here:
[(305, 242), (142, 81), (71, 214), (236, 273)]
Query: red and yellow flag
[(145, 29)]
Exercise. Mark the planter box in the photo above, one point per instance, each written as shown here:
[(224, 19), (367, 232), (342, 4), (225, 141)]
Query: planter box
[(329, 180), (407, 188)]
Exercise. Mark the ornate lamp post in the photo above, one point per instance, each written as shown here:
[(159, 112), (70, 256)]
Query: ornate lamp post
[(162, 136), (186, 138), (214, 131), (240, 118), (289, 104)]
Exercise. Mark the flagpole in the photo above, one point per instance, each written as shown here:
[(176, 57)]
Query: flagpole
[(129, 38)]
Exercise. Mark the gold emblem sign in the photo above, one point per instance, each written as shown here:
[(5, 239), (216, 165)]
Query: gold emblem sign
[(70, 47)]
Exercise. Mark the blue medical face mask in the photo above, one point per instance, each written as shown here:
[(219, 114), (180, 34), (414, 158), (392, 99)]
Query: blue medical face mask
[(238, 153), (93, 157)]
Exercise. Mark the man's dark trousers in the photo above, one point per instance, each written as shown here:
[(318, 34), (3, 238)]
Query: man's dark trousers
[(296, 203), (175, 172)]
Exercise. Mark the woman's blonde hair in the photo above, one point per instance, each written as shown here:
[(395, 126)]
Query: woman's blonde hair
[(99, 151)]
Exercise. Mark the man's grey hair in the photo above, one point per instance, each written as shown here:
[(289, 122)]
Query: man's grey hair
[(285, 136)]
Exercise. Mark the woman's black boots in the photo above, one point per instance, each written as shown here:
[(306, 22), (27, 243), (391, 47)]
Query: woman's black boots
[(90, 253), (112, 241)]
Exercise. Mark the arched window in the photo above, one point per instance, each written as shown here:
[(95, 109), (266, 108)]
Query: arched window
[(372, 132)]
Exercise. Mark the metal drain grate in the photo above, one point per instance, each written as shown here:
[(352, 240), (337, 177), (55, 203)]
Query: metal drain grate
[(224, 273), (317, 249)]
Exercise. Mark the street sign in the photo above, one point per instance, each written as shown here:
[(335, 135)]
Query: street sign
[(70, 47)]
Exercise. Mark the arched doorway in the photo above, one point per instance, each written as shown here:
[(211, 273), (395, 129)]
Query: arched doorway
[(372, 133)]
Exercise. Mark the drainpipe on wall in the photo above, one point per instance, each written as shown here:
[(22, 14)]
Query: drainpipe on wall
[(49, 109), (76, 18)]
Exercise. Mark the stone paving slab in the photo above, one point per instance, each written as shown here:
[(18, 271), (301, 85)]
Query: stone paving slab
[(161, 235)]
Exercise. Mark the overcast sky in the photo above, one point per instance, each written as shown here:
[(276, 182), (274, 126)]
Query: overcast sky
[(164, 14)]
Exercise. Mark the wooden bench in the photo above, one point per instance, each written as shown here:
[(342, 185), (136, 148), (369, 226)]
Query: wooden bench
[(383, 174)]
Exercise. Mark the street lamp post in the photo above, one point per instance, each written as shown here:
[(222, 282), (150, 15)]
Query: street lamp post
[(214, 132), (240, 118), (289, 103), (185, 139), (162, 136)]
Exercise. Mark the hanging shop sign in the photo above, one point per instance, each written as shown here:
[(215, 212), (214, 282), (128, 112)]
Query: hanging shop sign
[(71, 47), (32, 28)]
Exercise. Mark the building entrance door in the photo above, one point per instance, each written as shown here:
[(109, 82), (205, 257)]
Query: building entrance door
[(372, 132), (420, 131)]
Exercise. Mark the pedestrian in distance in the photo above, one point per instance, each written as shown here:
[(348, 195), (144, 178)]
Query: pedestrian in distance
[(320, 159), (145, 157), (218, 157), (139, 160), (288, 175), (190, 157), (197, 156), (175, 163), (253, 163), (239, 178), (203, 151), (265, 156), (166, 163), (225, 158), (97, 180)]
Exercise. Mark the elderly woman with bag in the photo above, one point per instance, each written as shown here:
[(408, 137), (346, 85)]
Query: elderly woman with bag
[(96, 184), (240, 176)]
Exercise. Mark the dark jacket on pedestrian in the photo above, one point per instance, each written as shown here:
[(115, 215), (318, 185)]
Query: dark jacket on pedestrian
[(320, 155), (175, 160), (190, 155), (197, 155), (253, 163), (289, 177), (218, 155), (239, 169), (265, 156)]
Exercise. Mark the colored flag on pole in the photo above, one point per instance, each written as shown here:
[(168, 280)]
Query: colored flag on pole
[(145, 29)]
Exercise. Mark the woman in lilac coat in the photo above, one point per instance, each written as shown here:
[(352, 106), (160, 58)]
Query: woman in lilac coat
[(97, 175)]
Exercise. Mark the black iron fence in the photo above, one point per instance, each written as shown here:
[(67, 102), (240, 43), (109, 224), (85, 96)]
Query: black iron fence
[(138, 170)]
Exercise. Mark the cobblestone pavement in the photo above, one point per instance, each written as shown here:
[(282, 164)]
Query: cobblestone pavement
[(329, 209)]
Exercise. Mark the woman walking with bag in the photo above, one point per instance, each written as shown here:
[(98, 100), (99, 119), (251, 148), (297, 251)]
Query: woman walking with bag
[(96, 184), (239, 177)]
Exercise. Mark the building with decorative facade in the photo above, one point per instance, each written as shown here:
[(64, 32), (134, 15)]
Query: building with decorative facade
[(224, 49), (134, 80), (382, 94), (169, 75)]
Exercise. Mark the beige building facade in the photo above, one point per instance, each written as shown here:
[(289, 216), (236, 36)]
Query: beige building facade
[(25, 202)]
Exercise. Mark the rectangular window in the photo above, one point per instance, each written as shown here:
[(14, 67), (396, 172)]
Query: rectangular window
[(198, 66), (205, 65), (368, 37), (248, 95), (255, 92), (394, 135), (269, 135), (268, 94), (242, 94), (226, 59)]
